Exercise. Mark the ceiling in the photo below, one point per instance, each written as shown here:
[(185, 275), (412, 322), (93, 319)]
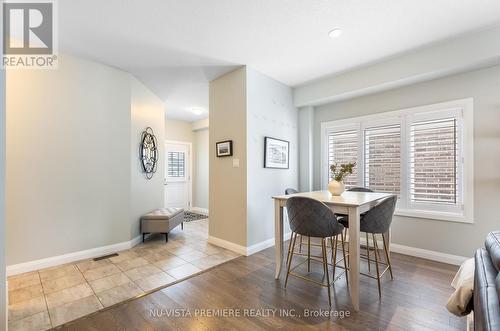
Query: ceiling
[(177, 46)]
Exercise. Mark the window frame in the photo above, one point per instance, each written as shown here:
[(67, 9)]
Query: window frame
[(461, 109)]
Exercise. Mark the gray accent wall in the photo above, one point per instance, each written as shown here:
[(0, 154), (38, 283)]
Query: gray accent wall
[(270, 112), (306, 145), (484, 86), (73, 181)]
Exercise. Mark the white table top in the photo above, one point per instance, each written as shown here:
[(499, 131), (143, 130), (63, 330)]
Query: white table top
[(348, 198)]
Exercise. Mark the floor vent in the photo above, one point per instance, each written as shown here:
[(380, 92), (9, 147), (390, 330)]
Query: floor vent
[(105, 257)]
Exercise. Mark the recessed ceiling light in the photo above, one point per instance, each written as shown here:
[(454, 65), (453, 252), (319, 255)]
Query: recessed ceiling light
[(335, 33), (197, 110)]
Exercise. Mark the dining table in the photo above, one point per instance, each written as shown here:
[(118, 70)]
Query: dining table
[(348, 203)]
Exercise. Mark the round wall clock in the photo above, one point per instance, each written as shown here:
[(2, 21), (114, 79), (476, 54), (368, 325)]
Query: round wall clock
[(148, 152)]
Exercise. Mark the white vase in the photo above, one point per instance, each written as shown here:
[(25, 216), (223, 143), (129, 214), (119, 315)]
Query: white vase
[(336, 188)]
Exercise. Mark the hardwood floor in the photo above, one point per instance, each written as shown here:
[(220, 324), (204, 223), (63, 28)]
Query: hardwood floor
[(415, 300)]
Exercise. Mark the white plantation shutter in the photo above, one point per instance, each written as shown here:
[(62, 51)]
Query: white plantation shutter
[(424, 155), (176, 164), (382, 158), (434, 162), (343, 148)]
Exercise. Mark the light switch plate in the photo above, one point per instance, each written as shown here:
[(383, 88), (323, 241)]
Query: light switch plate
[(236, 163)]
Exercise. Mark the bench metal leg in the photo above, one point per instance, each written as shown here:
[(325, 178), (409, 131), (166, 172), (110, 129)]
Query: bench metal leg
[(182, 225)]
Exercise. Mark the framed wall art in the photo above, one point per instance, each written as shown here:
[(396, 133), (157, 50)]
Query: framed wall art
[(276, 153), (224, 148)]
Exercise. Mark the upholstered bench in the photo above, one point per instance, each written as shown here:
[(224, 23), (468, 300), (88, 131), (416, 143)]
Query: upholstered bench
[(162, 220)]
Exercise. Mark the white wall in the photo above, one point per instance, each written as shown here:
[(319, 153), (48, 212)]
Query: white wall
[(147, 110), (270, 112), (178, 130), (200, 169), (72, 175), (68, 159), (3, 264), (460, 54), (3, 280), (195, 133), (484, 86), (200, 125)]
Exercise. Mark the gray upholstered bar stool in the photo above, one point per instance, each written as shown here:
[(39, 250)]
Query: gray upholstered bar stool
[(289, 191), (344, 220), (360, 189), (311, 218), (378, 221)]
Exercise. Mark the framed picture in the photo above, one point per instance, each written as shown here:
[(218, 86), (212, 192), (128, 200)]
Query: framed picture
[(276, 153), (224, 148)]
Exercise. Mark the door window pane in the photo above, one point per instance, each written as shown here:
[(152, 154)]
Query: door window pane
[(176, 164)]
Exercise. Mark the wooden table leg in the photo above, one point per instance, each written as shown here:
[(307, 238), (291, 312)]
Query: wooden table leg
[(278, 237), (354, 256)]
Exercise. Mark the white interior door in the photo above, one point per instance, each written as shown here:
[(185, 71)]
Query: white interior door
[(177, 175)]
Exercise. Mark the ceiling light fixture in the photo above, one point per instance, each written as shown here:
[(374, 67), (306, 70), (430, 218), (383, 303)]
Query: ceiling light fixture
[(197, 110), (335, 33)]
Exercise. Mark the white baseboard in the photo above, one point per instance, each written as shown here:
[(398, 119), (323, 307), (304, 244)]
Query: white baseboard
[(427, 254), (396, 248), (265, 244), (259, 246), (203, 211), (71, 257), (421, 253), (247, 251), (227, 245)]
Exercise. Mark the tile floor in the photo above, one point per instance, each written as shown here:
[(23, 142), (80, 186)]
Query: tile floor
[(46, 298)]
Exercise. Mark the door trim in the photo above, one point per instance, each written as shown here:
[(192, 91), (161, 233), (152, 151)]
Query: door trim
[(190, 170)]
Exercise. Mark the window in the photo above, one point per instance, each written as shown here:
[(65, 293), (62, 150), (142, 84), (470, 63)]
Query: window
[(423, 155), (382, 158), (343, 148), (176, 164), (433, 162)]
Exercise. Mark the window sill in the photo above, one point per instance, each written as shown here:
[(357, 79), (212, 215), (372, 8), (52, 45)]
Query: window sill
[(434, 215)]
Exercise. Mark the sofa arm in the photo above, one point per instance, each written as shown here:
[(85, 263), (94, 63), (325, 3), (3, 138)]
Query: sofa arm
[(486, 301)]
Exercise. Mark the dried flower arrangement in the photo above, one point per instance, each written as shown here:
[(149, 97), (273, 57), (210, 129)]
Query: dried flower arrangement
[(341, 171)]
